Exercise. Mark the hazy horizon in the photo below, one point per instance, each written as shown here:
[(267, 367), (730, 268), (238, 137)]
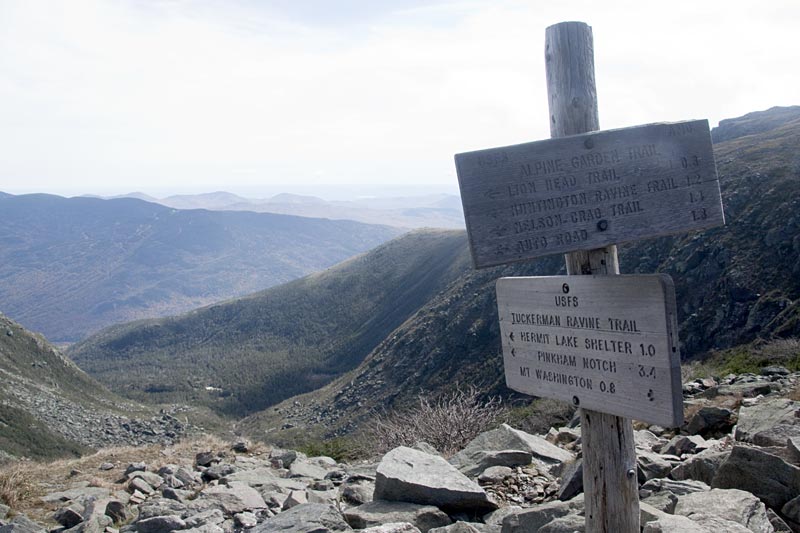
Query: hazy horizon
[(349, 98)]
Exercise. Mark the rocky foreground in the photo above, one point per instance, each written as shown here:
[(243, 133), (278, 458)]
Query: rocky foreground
[(733, 467)]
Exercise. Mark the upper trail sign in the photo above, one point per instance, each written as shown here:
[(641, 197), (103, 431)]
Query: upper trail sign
[(588, 191)]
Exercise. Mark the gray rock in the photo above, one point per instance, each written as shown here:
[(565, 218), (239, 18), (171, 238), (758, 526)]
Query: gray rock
[(264, 478), (565, 524), (205, 458), (4, 509), (106, 466), (571, 481), (793, 449), (711, 420), (357, 492), (295, 498), (777, 522), (141, 485), (241, 446), (767, 476), (494, 520), (22, 524), (408, 475), (507, 438), (664, 501), (701, 467), (235, 497), (681, 444), (495, 474), (714, 523), (305, 518), (678, 488), (730, 504), (69, 516), (207, 528), (176, 494), (534, 518), (154, 480), (245, 520), (674, 524), (136, 467), (395, 527), (425, 447), (458, 527), (322, 496), (160, 507), (160, 524), (647, 440), (653, 465), (76, 494), (774, 371), (218, 471), (769, 423), (211, 516), (302, 468), (791, 509), (485, 459), (286, 457), (378, 512)]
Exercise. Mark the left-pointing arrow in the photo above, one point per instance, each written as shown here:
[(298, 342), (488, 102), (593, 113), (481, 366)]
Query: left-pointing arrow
[(511, 336)]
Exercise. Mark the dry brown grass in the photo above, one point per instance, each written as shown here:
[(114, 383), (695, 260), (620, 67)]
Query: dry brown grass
[(15, 486)]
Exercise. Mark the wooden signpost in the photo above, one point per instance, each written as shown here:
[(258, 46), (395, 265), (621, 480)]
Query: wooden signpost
[(605, 342)]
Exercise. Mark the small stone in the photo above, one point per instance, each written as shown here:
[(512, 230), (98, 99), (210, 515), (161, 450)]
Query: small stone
[(106, 466), (245, 520)]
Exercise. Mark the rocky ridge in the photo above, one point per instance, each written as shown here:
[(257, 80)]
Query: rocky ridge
[(734, 466)]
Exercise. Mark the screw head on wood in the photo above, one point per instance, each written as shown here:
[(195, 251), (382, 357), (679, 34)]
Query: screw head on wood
[(575, 400), (602, 225), (630, 473), (589, 143)]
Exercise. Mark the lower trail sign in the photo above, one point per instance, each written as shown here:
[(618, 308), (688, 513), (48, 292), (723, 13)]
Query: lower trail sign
[(607, 343)]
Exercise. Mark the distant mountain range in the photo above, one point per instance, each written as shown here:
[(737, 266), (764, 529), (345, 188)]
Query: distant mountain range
[(72, 266), (425, 320), (433, 211)]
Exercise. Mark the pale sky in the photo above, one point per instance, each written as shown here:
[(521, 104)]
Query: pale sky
[(259, 97)]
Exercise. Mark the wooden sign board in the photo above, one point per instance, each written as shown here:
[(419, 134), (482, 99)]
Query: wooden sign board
[(588, 191), (606, 343)]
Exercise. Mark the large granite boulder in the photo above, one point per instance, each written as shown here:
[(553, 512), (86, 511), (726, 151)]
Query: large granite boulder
[(409, 475), (423, 517), (534, 518), (469, 460), (770, 422), (305, 518), (767, 476), (729, 504)]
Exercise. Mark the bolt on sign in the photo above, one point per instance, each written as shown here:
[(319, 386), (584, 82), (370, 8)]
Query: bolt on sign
[(606, 343), (588, 191)]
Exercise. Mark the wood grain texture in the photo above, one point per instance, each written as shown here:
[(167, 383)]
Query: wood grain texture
[(606, 343), (587, 191), (611, 493)]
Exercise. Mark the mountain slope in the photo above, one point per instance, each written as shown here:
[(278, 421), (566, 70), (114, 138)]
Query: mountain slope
[(51, 408), (733, 284), (246, 354), (71, 266)]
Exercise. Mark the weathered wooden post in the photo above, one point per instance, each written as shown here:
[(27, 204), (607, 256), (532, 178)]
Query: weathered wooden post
[(610, 484), (605, 342)]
